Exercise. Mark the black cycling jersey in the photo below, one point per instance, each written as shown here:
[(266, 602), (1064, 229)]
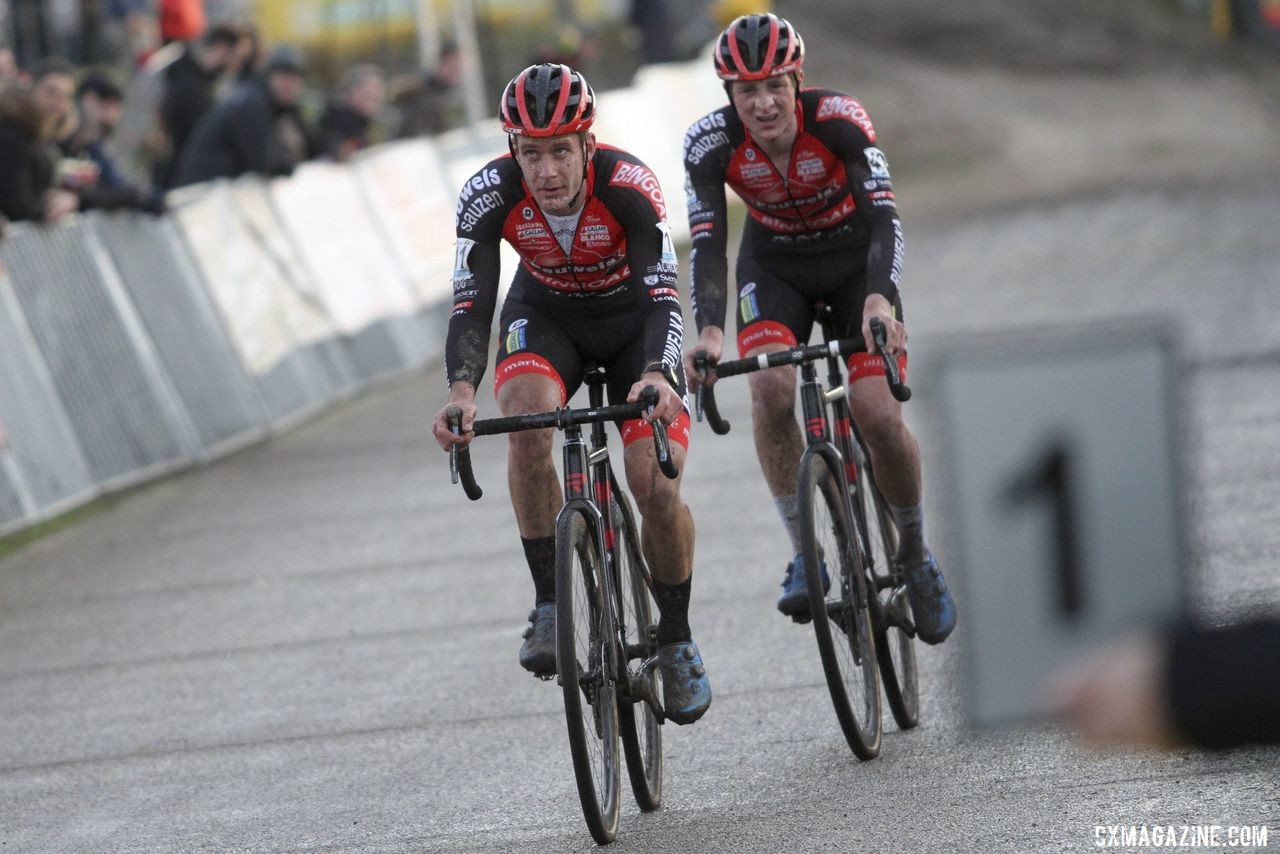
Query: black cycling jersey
[(835, 202), (622, 261)]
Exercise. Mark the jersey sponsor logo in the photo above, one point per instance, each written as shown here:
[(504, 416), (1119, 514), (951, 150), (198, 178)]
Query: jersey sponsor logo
[(515, 339), (748, 305), (877, 161), (518, 323), (481, 205), (638, 176), (530, 230), (756, 172), (810, 167), (844, 107), (675, 340), (827, 219), (694, 152), (527, 213), (895, 272), (595, 235), (479, 181), (749, 153), (748, 288), (709, 122)]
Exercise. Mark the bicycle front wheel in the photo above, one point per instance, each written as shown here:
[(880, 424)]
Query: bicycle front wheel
[(841, 618), (584, 653), (895, 648), (641, 729)]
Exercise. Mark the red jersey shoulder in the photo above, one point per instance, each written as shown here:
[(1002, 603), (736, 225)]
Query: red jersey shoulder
[(825, 105), (626, 171)]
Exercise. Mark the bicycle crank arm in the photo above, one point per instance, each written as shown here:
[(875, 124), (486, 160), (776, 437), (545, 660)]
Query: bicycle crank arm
[(642, 688)]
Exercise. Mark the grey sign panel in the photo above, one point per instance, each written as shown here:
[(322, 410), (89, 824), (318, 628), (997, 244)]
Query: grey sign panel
[(1062, 473)]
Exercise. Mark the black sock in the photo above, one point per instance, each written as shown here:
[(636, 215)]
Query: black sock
[(673, 605), (540, 552)]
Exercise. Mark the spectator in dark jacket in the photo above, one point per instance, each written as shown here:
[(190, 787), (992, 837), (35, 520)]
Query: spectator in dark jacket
[(27, 172), (99, 102), (191, 85), (257, 129), (345, 123), (432, 103)]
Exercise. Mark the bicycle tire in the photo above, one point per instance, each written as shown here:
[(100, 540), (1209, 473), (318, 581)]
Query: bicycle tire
[(842, 618), (641, 729), (584, 653), (895, 648)]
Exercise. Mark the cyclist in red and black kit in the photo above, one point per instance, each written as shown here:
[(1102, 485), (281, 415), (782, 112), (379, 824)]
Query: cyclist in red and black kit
[(822, 226), (596, 284)]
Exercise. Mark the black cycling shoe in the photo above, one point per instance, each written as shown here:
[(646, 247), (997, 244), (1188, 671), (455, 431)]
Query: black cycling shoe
[(794, 601), (538, 654), (686, 693), (931, 602)]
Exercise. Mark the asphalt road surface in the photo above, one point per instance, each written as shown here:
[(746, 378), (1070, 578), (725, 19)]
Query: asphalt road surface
[(311, 645)]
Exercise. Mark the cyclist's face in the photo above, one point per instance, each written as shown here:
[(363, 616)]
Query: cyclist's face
[(553, 168), (767, 108)]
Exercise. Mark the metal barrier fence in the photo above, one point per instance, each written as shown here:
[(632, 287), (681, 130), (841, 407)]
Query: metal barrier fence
[(133, 345)]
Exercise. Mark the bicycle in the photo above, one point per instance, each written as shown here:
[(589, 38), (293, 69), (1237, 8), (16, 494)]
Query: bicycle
[(845, 517), (604, 606)]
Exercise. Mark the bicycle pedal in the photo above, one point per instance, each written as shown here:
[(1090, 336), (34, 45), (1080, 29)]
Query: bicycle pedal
[(898, 611)]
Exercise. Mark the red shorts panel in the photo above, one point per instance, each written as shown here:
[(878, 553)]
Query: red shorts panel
[(764, 332), (527, 363), (872, 365), (637, 429)]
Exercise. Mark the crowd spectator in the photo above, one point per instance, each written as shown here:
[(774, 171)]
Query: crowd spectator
[(53, 86), (190, 90), (9, 70), (432, 103), (31, 33), (99, 102), (346, 121), (257, 129), (27, 170)]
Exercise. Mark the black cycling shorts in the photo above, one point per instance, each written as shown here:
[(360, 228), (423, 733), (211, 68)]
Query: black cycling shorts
[(777, 295), (533, 343)]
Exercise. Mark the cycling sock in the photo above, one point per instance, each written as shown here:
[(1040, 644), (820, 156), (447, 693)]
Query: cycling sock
[(912, 546), (789, 510), (540, 552), (673, 605)]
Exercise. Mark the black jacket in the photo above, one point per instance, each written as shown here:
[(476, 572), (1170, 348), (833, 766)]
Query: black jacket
[(246, 133), (26, 173)]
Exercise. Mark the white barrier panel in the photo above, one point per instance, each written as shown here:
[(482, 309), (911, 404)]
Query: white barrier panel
[(247, 284), (408, 192), (322, 209)]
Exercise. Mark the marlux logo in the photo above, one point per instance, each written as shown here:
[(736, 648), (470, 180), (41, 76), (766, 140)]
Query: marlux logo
[(844, 107), (635, 175)]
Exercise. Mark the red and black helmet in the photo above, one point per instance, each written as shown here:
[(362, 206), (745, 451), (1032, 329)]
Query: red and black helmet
[(547, 100), (755, 47)]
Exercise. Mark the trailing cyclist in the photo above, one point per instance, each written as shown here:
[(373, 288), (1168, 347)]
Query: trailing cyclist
[(596, 284), (822, 227)]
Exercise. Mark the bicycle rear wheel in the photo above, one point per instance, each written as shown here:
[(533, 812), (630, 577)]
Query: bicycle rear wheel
[(641, 729), (895, 648), (841, 619), (584, 653)]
